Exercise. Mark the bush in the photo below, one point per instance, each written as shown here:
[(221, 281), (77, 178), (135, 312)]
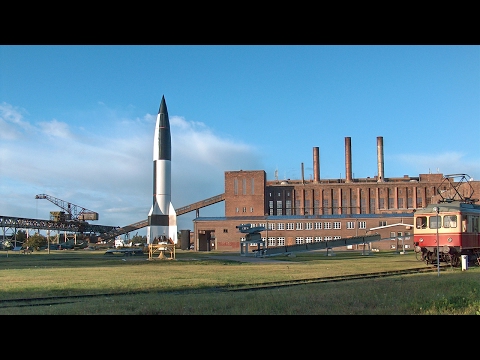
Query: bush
[(35, 242)]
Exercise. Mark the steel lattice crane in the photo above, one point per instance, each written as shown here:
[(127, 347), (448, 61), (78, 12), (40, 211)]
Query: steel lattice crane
[(73, 212)]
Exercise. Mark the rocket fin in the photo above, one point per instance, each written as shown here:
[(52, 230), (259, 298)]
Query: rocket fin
[(172, 223), (172, 214)]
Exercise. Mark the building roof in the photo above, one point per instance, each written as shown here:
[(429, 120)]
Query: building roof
[(305, 217)]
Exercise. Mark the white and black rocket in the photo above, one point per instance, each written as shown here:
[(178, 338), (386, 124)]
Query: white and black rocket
[(162, 218)]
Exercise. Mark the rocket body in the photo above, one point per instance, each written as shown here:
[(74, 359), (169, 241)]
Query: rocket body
[(162, 218)]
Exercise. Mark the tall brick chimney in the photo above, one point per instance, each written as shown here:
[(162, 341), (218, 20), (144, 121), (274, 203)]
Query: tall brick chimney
[(303, 174), (348, 159), (316, 165), (380, 177)]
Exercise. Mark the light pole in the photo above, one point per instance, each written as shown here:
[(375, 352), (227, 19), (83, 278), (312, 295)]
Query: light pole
[(266, 236), (436, 209)]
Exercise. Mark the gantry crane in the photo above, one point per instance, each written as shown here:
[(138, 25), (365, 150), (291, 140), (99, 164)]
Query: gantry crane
[(73, 212)]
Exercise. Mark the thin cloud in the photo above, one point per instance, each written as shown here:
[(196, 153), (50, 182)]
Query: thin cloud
[(11, 122), (56, 129), (445, 163), (200, 157), (112, 176), (199, 143)]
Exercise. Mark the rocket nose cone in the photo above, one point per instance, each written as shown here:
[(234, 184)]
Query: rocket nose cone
[(162, 141), (163, 106)]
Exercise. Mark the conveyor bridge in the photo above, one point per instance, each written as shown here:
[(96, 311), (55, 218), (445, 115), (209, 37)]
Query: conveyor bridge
[(14, 223), (180, 211), (323, 245), (200, 204)]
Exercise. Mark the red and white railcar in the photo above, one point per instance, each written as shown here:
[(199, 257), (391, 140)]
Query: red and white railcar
[(449, 228)]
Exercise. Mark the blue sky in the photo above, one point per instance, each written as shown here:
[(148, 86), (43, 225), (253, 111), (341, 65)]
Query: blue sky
[(77, 121)]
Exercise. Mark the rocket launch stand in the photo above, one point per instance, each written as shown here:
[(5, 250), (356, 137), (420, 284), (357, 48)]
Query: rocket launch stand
[(161, 249)]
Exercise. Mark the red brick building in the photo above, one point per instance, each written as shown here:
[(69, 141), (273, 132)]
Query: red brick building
[(304, 211)]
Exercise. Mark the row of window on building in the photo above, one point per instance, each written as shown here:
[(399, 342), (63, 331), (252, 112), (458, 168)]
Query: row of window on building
[(333, 210), (278, 207), (313, 225), (326, 210), (280, 241)]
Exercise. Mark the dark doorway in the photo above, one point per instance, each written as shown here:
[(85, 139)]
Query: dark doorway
[(206, 242)]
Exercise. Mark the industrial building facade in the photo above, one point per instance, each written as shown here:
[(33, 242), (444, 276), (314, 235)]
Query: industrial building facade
[(307, 211)]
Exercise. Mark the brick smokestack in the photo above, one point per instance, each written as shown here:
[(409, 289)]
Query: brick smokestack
[(380, 177), (303, 175), (348, 159), (316, 165)]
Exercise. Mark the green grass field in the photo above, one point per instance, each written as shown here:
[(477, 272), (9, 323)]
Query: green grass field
[(198, 283)]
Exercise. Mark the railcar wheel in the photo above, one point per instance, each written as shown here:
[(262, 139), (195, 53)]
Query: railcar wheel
[(431, 258), (455, 260)]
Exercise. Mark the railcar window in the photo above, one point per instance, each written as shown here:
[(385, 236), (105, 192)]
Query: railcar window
[(475, 223), (421, 222), (433, 222), (450, 221), (471, 223)]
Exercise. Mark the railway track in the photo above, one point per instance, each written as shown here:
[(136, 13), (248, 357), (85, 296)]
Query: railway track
[(58, 300), (277, 284)]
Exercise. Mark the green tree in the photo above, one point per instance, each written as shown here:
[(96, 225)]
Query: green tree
[(36, 241), (139, 239), (21, 236)]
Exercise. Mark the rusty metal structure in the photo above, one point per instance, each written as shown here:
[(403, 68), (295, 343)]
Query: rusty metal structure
[(73, 212), (9, 225)]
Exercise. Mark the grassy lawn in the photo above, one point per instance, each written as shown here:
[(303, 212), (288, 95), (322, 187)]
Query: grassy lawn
[(162, 285)]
